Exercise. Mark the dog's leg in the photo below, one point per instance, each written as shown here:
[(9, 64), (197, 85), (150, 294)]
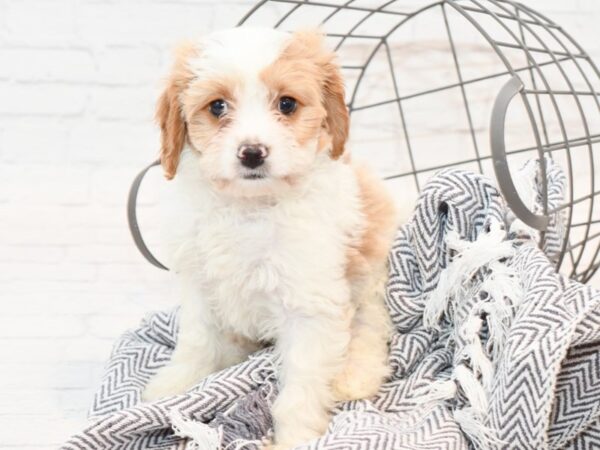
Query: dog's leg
[(195, 356), (312, 350), (367, 365), (201, 349)]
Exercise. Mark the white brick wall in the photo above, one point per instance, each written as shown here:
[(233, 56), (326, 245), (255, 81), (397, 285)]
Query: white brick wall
[(78, 81)]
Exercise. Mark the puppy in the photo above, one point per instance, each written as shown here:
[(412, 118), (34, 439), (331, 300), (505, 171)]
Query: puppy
[(276, 238)]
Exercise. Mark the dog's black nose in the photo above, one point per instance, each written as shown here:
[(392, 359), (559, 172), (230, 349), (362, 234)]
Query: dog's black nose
[(252, 155)]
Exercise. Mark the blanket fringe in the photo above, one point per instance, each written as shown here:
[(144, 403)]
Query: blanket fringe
[(480, 435), (471, 387), (480, 363), (471, 257), (201, 435), (502, 286), (498, 292), (436, 391)]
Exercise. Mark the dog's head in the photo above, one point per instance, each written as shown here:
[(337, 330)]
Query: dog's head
[(257, 105)]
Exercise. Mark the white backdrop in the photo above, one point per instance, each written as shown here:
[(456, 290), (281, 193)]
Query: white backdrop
[(78, 83)]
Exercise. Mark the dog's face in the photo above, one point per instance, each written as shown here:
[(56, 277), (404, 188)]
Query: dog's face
[(258, 106)]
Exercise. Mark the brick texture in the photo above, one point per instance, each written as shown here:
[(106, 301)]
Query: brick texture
[(78, 82)]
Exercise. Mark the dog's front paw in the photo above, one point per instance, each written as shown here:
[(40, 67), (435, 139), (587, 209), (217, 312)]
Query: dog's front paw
[(269, 445), (295, 421), (273, 446), (173, 379), (358, 381)]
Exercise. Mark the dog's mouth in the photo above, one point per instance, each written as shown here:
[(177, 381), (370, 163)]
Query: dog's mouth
[(254, 175)]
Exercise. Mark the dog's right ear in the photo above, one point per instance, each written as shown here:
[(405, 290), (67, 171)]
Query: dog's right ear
[(169, 114)]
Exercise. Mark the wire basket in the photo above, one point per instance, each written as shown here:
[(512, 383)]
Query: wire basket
[(424, 77)]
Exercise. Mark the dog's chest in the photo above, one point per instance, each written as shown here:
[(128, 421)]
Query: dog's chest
[(256, 266)]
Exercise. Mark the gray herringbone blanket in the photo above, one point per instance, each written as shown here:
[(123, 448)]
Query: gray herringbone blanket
[(491, 349)]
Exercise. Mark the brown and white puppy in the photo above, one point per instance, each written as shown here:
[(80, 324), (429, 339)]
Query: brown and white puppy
[(275, 236)]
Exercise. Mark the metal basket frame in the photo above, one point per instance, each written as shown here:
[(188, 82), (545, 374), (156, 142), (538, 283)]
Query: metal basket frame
[(528, 82)]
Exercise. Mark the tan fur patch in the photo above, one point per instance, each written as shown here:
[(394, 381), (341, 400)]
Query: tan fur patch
[(380, 224), (201, 93), (169, 114), (202, 124), (309, 73)]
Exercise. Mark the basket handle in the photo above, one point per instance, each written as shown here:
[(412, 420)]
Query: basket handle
[(505, 181), (134, 227)]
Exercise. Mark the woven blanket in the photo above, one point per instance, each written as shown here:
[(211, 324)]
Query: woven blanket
[(491, 348)]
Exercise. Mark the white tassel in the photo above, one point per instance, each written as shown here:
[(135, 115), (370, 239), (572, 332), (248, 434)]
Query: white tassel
[(473, 350), (498, 320), (481, 436), (436, 391), (454, 241), (471, 387), (503, 284), (472, 256), (480, 363), (471, 327), (202, 436), (437, 302), (505, 291)]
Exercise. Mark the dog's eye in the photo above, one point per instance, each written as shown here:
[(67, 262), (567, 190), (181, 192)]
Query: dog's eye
[(218, 108), (287, 105)]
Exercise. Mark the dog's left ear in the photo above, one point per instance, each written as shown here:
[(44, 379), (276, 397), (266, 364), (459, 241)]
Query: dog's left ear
[(338, 119), (169, 114), (308, 45)]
